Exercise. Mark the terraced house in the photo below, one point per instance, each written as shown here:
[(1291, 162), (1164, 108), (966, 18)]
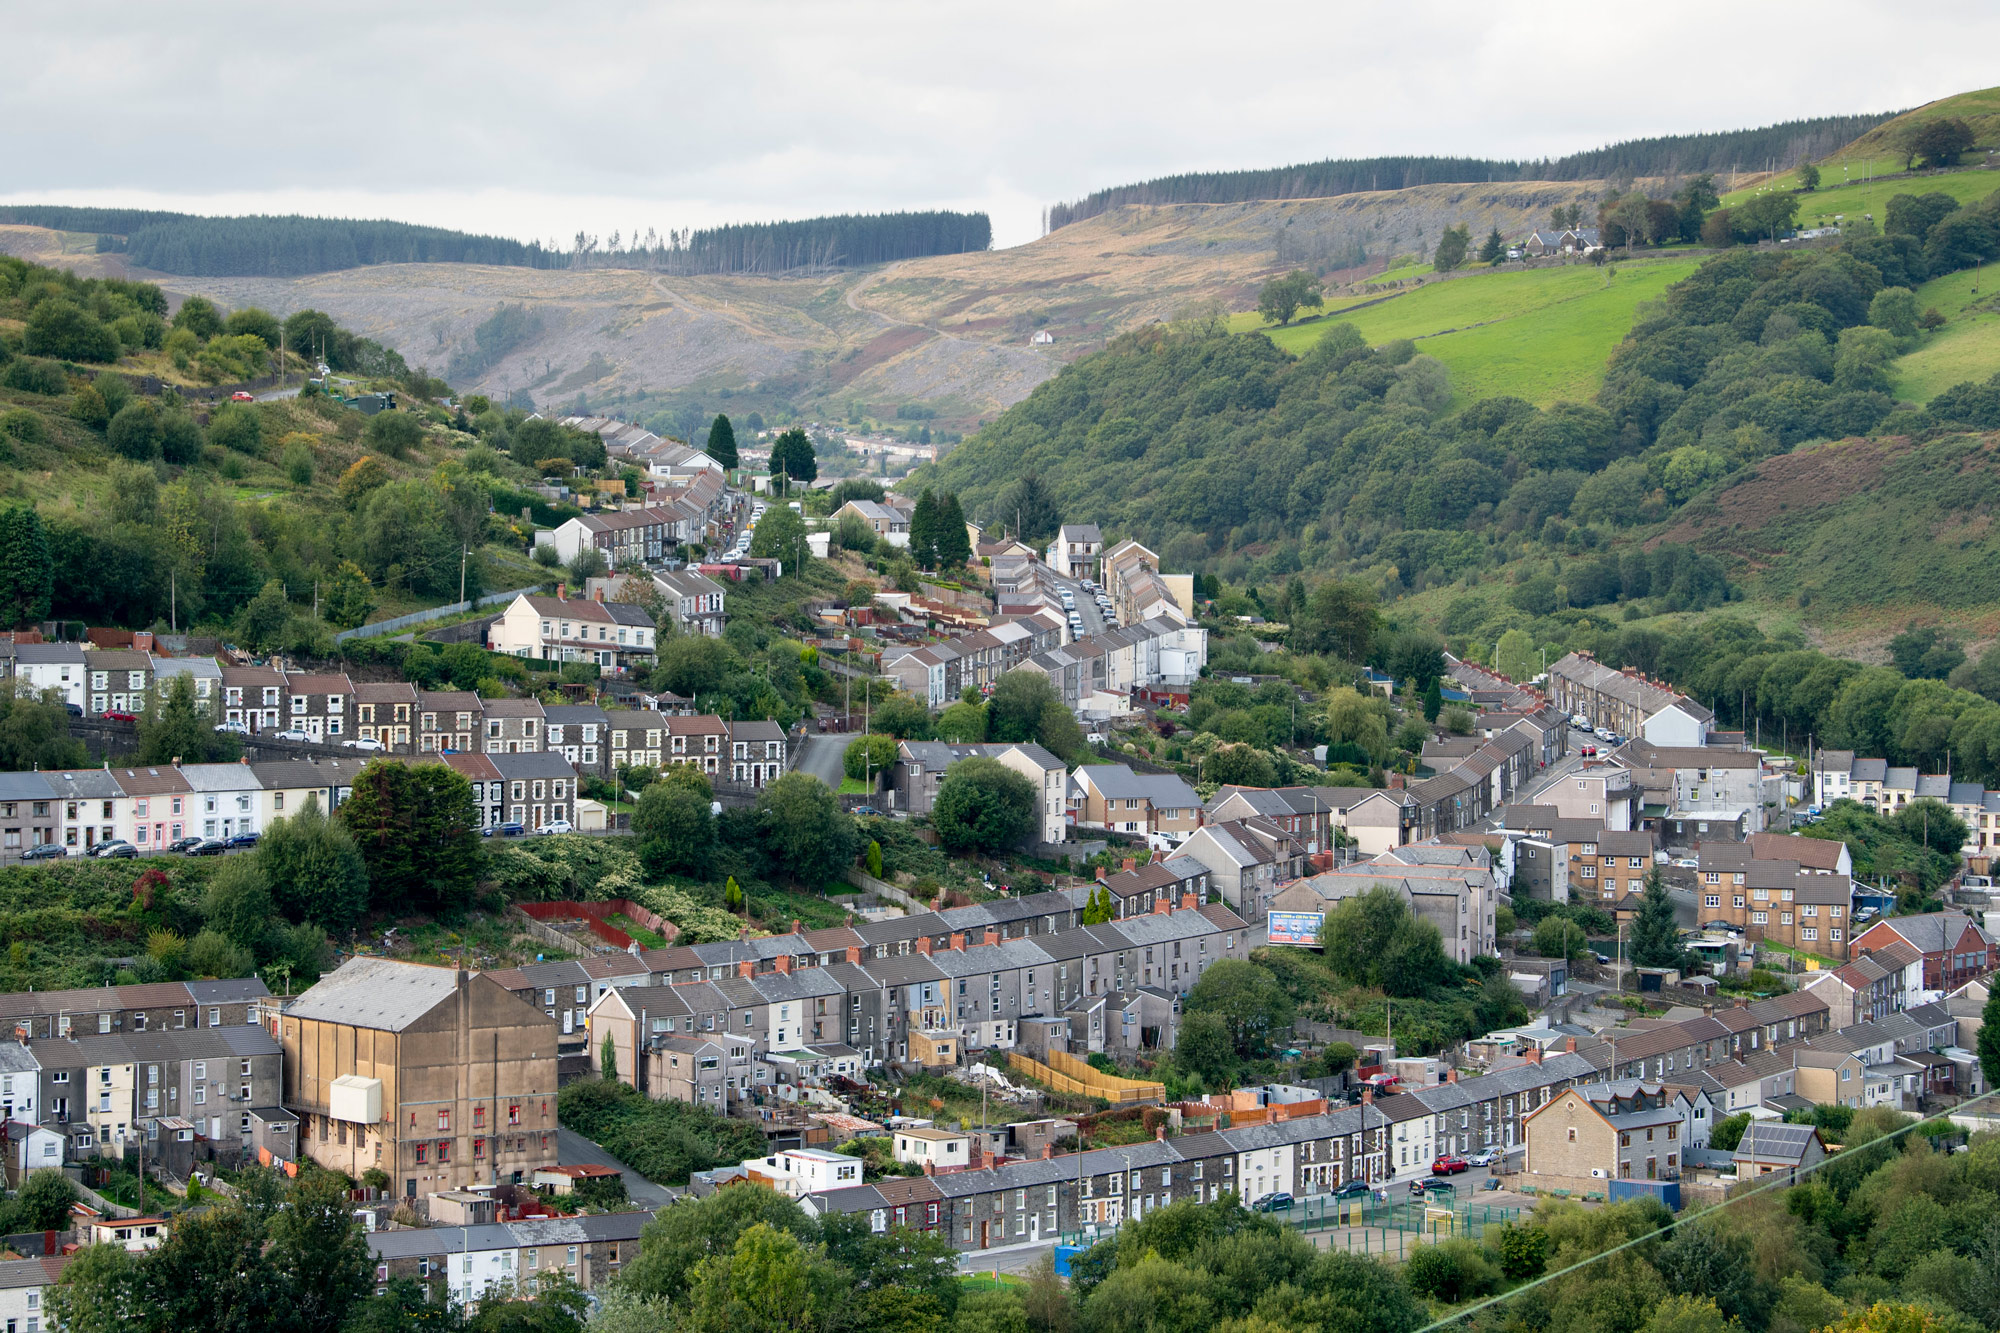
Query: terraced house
[(449, 720), (561, 629), (120, 682), (386, 712)]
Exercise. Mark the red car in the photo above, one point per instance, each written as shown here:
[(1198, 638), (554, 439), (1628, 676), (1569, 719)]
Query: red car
[(242, 396), (1587, 751), (1449, 1166), (121, 717)]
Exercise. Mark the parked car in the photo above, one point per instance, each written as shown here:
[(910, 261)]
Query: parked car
[(510, 829), (1687, 863), (242, 396), (233, 728), (184, 844), (1491, 1157), (1433, 1186), (206, 847), (240, 840), (1449, 1165), (47, 851), (116, 849), (866, 810), (1275, 1202), (1604, 959), (556, 826), (1352, 1189), (292, 734), (1587, 751), (74, 710), (362, 743), (120, 716)]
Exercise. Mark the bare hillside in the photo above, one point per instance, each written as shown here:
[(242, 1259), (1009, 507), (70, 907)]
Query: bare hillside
[(950, 331)]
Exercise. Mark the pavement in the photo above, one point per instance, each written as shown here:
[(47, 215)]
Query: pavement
[(572, 1149), (821, 756)]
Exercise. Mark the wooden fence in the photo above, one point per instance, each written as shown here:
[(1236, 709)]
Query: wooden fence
[(593, 916), (1066, 1073)]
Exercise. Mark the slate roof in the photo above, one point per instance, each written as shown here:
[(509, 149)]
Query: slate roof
[(378, 993)]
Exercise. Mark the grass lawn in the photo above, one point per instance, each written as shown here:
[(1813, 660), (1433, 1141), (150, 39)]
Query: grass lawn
[(638, 932), (855, 787), (1539, 334), (1967, 348), (991, 1281)]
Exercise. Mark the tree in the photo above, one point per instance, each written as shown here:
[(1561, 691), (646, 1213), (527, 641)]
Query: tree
[(320, 1253), (27, 569), (1027, 510), (983, 806), (1559, 937), (1239, 765), (237, 426), (721, 444), (418, 831), (868, 758), (1248, 999), (693, 665), (315, 871), (903, 718), (60, 328), (732, 895), (781, 535), (1728, 1132), (135, 432), (99, 1292), (346, 599), (953, 545), (923, 547), (811, 838), (262, 623), (679, 1240), (1656, 940), (1766, 215), (1808, 178), (1204, 1047), (44, 1202), (1021, 708), (199, 316), (607, 1059), (1940, 143), (237, 904), (1989, 1039), (1493, 249), (964, 723), (1281, 298), (1451, 248), (675, 831), (1341, 619), (1097, 907), (792, 457), (1514, 656)]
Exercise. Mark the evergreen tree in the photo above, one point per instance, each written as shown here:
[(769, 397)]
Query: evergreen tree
[(417, 828), (1433, 701), (1493, 249), (1028, 511), (173, 730), (315, 871), (792, 456), (27, 571), (722, 442), (954, 547), (1656, 940), (923, 531)]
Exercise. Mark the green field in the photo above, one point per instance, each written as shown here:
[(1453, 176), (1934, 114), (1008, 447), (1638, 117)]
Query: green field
[(1539, 334), (1832, 198), (1966, 348)]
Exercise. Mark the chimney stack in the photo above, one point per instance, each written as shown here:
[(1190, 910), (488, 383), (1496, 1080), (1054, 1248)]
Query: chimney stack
[(1048, 1151), (1100, 874), (798, 926), (924, 945), (992, 935), (784, 963), (1130, 863), (1533, 1055), (1367, 1096), (1569, 1045), (1451, 1076), (1188, 903), (562, 592), (958, 941), (853, 953), (746, 968), (1163, 904)]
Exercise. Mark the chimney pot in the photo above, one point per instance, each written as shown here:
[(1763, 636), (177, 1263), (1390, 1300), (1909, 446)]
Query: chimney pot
[(1188, 903), (924, 945)]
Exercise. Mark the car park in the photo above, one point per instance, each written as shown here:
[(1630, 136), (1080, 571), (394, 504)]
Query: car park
[(207, 847), (47, 851), (555, 826)]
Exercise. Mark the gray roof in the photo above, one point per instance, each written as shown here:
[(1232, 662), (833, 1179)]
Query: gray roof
[(1769, 1141), (568, 714), (1118, 782), (427, 1242), (85, 783), (376, 993), (541, 764)]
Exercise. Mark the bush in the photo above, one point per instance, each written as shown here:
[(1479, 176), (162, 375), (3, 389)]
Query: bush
[(135, 432), (868, 757), (237, 426), (180, 438), (663, 1141), (394, 433), (31, 375), (61, 328), (25, 426), (1450, 1271)]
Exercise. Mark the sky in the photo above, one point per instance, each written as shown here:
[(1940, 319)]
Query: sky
[(538, 120)]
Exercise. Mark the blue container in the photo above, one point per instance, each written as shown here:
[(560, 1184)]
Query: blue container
[(1065, 1253)]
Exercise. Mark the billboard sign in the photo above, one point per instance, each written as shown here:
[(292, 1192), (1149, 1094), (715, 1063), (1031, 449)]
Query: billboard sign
[(1296, 928)]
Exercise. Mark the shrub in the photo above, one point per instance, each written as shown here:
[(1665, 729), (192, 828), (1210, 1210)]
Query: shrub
[(135, 432), (32, 375), (236, 426), (25, 426)]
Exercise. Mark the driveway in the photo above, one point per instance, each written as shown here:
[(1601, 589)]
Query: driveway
[(575, 1150), (820, 756)]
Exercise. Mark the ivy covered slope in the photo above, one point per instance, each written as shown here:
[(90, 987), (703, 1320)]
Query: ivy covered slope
[(1232, 457)]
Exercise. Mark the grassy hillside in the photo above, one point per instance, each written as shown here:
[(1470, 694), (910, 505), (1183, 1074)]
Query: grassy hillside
[(1877, 153), (1539, 334)]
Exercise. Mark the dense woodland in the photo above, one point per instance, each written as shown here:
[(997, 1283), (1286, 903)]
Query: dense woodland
[(776, 247), (1750, 150)]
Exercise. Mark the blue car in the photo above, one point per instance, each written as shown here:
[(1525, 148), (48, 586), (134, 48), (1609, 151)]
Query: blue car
[(507, 830), (241, 840)]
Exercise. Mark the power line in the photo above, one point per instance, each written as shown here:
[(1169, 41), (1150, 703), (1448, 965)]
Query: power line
[(1785, 1181)]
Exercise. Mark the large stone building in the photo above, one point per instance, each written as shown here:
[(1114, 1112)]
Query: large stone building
[(441, 1079)]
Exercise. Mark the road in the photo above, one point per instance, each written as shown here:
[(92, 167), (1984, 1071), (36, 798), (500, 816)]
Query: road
[(277, 395), (820, 756), (575, 1150)]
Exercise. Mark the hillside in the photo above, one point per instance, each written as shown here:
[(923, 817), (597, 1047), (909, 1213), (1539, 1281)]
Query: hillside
[(950, 331)]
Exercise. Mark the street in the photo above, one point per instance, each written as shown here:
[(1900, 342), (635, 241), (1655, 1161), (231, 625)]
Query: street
[(820, 756), (575, 1150)]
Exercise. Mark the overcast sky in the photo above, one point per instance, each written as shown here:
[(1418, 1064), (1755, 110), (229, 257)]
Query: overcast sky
[(535, 120)]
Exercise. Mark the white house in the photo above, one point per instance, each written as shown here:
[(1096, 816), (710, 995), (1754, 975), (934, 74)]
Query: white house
[(1682, 723), (24, 1290), (935, 1148), (49, 666), (797, 1172), (563, 629)]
